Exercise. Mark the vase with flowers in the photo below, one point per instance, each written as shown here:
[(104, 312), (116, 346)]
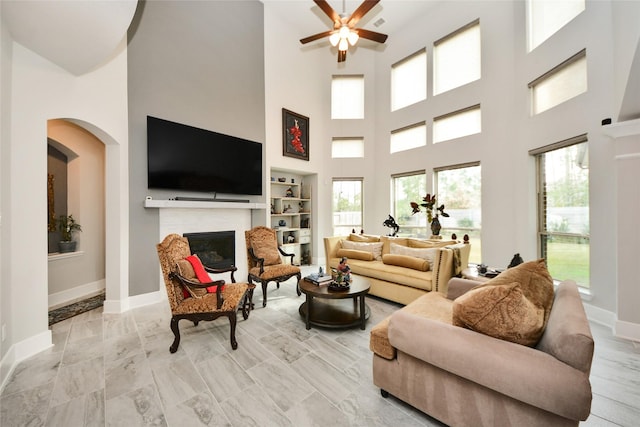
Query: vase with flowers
[(67, 226), (433, 211)]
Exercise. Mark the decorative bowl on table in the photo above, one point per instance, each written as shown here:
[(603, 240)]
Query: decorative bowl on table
[(335, 286)]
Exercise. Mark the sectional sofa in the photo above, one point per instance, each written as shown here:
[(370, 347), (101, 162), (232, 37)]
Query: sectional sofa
[(398, 269), (500, 353)]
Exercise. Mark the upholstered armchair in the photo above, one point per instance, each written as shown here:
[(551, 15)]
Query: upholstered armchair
[(193, 295), (264, 261)]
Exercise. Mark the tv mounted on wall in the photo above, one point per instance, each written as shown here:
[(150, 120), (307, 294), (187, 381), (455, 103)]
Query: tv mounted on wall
[(182, 157)]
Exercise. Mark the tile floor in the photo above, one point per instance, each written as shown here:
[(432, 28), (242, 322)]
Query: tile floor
[(116, 370)]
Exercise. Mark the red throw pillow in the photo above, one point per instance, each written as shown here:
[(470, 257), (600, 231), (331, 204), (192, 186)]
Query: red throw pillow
[(201, 273)]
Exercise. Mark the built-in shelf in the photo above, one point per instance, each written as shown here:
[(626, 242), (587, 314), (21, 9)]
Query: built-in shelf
[(54, 256), (190, 204)]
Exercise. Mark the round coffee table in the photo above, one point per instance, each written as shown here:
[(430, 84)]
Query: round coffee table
[(330, 309)]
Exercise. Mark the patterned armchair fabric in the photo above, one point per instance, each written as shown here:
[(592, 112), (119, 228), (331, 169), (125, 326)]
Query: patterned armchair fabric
[(264, 261), (225, 302)]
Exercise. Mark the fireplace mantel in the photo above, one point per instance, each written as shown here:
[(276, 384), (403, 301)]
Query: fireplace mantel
[(189, 204)]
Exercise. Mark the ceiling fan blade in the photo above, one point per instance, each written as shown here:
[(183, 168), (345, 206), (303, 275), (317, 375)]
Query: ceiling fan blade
[(365, 7), (371, 35), (342, 55), (322, 4), (316, 37)]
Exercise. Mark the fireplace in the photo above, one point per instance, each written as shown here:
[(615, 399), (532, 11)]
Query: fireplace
[(216, 249)]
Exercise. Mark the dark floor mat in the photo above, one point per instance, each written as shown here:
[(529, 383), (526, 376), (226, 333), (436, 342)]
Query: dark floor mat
[(63, 313)]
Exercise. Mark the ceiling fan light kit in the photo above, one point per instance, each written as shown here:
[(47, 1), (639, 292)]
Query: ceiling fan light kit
[(344, 32)]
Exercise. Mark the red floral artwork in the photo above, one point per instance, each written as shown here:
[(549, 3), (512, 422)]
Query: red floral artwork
[(296, 133)]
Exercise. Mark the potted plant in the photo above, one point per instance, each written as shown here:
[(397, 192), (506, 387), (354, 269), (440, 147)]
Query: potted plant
[(433, 210), (67, 225)]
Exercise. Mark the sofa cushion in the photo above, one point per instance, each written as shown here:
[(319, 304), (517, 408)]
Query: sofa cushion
[(433, 305), (500, 311), (363, 238), (389, 273), (374, 248), (418, 243), (514, 306), (406, 261), (355, 254), (428, 254)]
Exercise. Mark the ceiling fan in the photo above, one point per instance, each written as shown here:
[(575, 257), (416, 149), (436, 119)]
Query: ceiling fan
[(344, 32)]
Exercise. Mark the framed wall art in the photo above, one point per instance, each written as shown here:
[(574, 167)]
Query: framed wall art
[(295, 135)]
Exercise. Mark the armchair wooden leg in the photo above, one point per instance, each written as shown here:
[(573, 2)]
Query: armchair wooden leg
[(264, 294), (232, 333), (299, 276), (176, 334)]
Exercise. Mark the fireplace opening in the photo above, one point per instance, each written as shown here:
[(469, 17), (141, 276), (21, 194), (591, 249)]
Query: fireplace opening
[(216, 249)]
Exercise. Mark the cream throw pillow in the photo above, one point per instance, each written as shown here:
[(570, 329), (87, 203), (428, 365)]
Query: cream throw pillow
[(428, 254), (374, 248)]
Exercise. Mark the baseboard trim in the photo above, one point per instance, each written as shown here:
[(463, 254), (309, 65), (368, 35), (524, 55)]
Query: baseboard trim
[(76, 294), (146, 299), (23, 350), (627, 330), (600, 315)]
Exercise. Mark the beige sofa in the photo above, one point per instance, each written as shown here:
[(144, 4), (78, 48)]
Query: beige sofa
[(466, 378), (403, 281)]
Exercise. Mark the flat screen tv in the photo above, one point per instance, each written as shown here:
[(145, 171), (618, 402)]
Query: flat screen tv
[(182, 157)]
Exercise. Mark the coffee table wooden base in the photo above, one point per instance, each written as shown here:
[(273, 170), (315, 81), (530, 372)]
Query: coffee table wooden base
[(334, 314)]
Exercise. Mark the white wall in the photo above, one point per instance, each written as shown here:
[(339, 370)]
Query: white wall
[(42, 91), (509, 132)]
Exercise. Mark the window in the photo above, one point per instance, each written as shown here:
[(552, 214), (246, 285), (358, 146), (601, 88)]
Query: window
[(457, 124), (457, 59), (546, 17), (459, 188), (347, 97), (407, 138), (347, 205), (347, 148), (563, 208), (409, 80), (407, 188), (564, 82)]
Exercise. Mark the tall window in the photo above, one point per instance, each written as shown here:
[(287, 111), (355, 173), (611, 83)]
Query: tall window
[(409, 80), (407, 138), (457, 58), (564, 82), (407, 188), (546, 17), (459, 188), (347, 205), (347, 148), (563, 208), (347, 97), (457, 124)]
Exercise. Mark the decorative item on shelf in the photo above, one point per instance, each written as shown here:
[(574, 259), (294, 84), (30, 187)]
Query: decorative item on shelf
[(289, 192), (286, 209), (282, 179), (295, 135), (306, 257), (273, 209), (304, 223), (391, 223), (291, 238), (282, 223), (67, 226), (293, 181), (273, 179), (433, 211)]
